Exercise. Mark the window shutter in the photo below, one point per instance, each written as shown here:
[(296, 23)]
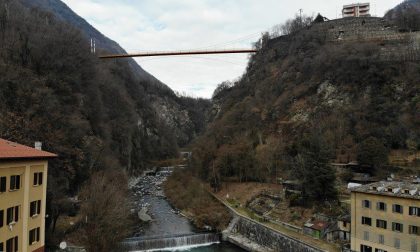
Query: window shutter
[(38, 207), (16, 244), (9, 245), (35, 178), (32, 208), (9, 215), (37, 234), (1, 221), (31, 237), (12, 182), (18, 182), (16, 213), (40, 177), (2, 184)]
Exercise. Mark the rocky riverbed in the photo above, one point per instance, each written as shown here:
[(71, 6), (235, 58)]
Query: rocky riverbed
[(148, 198)]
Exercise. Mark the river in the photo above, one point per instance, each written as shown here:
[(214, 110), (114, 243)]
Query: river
[(167, 221)]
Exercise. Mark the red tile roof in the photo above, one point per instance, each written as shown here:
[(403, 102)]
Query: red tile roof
[(11, 150)]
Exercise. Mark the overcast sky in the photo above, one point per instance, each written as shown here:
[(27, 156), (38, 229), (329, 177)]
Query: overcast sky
[(151, 25)]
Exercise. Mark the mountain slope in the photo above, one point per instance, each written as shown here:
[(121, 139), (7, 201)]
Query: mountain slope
[(406, 15), (349, 85), (183, 120), (93, 113), (65, 14)]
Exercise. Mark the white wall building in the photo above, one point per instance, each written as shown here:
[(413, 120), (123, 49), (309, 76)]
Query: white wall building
[(356, 10)]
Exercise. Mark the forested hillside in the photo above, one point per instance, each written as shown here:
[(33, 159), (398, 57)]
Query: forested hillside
[(183, 115), (308, 99), (94, 114), (406, 15)]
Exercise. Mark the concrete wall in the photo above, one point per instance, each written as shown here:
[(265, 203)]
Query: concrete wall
[(269, 238)]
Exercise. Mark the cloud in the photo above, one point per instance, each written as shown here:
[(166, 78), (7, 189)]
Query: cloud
[(150, 25)]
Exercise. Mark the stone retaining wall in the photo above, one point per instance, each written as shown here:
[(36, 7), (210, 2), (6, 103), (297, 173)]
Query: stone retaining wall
[(395, 45), (269, 238)]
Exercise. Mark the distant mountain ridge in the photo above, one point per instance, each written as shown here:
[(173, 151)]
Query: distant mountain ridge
[(66, 14)]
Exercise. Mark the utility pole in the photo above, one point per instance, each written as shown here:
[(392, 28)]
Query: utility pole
[(92, 46), (301, 11)]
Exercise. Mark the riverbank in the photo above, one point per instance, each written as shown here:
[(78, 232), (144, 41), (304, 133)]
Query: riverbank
[(188, 194)]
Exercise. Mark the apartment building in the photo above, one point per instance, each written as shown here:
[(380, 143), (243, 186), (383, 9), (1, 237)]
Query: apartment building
[(23, 191), (356, 10), (385, 217)]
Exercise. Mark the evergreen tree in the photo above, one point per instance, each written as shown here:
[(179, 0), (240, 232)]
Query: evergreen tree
[(312, 167)]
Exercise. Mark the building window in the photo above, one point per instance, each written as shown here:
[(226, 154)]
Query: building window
[(381, 206), (35, 208), (14, 182), (415, 230), (34, 236), (366, 203), (1, 219), (12, 244), (367, 221), (344, 223), (1, 246), (3, 184), (413, 246), (37, 178), (397, 243), (414, 211), (397, 208), (381, 239), (397, 227), (380, 250), (364, 248), (12, 215), (381, 224), (366, 235)]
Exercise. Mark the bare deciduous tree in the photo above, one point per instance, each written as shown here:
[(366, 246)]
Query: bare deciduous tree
[(294, 25), (105, 212)]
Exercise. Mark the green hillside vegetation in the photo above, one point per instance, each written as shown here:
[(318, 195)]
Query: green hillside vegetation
[(303, 102)]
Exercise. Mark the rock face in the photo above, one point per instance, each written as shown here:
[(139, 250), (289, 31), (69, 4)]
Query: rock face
[(176, 118)]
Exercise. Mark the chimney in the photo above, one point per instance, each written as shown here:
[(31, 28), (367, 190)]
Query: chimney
[(38, 145)]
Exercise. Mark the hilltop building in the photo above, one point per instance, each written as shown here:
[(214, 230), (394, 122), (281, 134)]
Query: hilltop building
[(356, 10), (385, 217), (23, 193)]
